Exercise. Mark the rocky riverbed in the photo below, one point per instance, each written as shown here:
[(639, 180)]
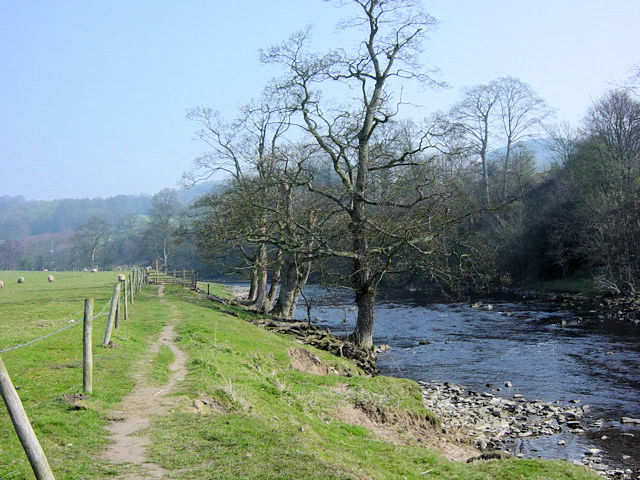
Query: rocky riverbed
[(494, 422)]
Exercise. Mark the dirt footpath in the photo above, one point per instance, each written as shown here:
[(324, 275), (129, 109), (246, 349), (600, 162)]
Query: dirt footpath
[(137, 409)]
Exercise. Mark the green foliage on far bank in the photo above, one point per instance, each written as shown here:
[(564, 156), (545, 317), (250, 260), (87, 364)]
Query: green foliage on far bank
[(582, 285)]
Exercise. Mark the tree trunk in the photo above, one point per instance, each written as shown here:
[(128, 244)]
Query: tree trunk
[(361, 278), (483, 156), (507, 157), (362, 335), (301, 281), (165, 254), (260, 301), (253, 288), (294, 278), (275, 281)]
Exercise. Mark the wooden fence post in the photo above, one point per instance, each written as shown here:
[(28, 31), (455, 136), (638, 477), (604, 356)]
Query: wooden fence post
[(112, 314), (116, 322), (131, 287), (157, 271), (126, 300), (87, 352), (195, 281), (27, 436), (208, 289)]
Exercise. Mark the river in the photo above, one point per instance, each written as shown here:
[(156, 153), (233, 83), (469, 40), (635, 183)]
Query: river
[(546, 353)]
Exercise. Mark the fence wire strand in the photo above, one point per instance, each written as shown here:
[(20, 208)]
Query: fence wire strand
[(66, 327)]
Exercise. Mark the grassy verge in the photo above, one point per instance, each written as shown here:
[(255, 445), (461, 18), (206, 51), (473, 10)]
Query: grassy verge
[(581, 285), (159, 373), (216, 289), (48, 374), (257, 417)]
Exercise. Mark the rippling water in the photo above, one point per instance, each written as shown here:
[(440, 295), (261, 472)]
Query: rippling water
[(547, 354)]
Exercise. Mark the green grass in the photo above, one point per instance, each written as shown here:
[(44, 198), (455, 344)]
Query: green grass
[(51, 368), (581, 285), (216, 289), (267, 421), (159, 373), (273, 422)]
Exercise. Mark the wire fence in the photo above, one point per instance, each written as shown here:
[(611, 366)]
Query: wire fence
[(123, 293), (51, 334)]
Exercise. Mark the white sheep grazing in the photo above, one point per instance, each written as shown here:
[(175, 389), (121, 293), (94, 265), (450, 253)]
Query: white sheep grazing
[(50, 279), (20, 279), (121, 277), (94, 270), (1, 284)]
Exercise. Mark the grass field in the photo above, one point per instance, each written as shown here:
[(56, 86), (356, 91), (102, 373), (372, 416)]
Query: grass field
[(258, 418), (48, 370)]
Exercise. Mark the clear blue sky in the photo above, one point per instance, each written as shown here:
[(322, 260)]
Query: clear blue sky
[(93, 94)]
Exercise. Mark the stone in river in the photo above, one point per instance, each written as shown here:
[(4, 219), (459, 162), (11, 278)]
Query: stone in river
[(635, 421), (507, 384)]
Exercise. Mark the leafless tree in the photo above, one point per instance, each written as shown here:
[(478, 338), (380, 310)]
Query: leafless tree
[(92, 236), (159, 235), (246, 149), (475, 114), (370, 153), (521, 112)]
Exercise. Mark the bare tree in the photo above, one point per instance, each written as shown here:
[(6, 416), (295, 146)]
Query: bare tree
[(564, 141), (92, 236), (247, 149), (475, 115), (368, 152), (159, 235), (521, 113)]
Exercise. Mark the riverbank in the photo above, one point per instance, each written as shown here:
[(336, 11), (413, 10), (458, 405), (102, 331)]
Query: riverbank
[(544, 348), (380, 421), (495, 422)]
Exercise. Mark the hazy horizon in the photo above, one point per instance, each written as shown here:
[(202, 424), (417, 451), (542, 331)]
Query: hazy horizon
[(94, 95)]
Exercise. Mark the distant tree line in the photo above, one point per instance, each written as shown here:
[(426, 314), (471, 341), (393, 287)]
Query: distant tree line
[(109, 238)]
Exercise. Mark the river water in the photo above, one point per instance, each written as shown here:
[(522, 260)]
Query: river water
[(546, 353)]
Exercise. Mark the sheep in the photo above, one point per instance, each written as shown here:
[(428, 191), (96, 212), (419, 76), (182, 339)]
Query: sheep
[(94, 270), (45, 269), (20, 279), (121, 277), (50, 279), (1, 284)]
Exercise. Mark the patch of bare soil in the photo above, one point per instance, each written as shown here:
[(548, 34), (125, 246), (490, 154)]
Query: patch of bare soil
[(305, 361), (208, 406), (138, 408), (403, 429)]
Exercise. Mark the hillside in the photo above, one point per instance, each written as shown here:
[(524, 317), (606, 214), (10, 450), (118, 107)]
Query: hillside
[(20, 218)]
